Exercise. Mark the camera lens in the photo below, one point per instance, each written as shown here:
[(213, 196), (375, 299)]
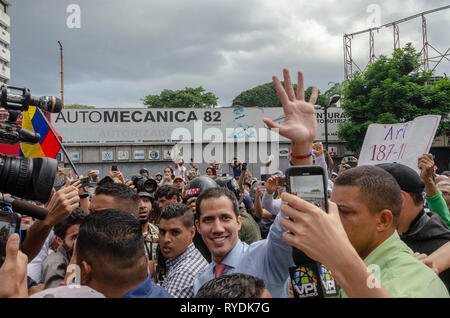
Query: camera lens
[(28, 178), (150, 185), (143, 184)]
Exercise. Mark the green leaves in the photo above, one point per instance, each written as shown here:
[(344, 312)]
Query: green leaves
[(392, 90), (265, 95), (187, 98)]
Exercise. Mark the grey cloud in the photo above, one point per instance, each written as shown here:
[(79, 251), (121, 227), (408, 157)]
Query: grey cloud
[(127, 49)]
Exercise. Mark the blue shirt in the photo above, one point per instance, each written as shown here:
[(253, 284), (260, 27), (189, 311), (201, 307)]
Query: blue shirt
[(147, 289), (247, 201), (267, 259), (237, 171)]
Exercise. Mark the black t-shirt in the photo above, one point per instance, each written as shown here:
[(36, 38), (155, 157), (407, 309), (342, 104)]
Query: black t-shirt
[(201, 246), (426, 234)]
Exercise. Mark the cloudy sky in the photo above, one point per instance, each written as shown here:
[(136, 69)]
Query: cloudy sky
[(125, 50)]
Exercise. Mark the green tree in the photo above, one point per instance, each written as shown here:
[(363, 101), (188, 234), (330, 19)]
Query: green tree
[(78, 106), (335, 89), (265, 95), (187, 98), (392, 90)]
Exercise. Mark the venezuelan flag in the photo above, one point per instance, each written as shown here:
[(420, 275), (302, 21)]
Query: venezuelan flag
[(48, 145)]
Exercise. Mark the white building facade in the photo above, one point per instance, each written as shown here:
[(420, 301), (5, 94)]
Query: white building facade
[(5, 42)]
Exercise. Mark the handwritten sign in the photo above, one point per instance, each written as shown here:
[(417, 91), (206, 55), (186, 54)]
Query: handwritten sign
[(403, 143)]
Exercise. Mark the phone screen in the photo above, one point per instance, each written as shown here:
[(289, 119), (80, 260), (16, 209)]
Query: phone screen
[(310, 188), (280, 181), (65, 171), (8, 226), (84, 182)]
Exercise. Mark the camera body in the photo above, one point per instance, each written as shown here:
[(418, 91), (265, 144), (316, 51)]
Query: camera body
[(143, 184), (28, 178)]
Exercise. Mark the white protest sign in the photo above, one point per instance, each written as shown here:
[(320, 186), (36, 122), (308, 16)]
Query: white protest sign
[(403, 143)]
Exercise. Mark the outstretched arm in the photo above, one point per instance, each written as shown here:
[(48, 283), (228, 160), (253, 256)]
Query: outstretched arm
[(439, 260), (300, 124), (60, 205), (327, 242), (436, 201)]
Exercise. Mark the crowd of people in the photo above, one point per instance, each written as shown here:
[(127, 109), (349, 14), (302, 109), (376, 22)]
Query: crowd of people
[(187, 233)]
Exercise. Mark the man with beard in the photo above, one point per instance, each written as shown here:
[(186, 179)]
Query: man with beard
[(149, 230), (55, 265)]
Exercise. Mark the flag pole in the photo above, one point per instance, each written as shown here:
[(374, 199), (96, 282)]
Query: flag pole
[(59, 141)]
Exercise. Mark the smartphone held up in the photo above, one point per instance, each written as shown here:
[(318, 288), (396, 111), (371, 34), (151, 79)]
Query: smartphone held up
[(9, 224), (308, 183)]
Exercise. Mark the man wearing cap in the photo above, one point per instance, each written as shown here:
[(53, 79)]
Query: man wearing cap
[(149, 230), (144, 172), (422, 232), (178, 182)]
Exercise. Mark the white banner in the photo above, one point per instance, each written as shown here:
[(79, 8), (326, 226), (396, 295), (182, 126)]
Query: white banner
[(115, 125), (403, 143)]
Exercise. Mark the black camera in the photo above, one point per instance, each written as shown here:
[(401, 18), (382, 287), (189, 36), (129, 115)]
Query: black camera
[(143, 184), (28, 178)]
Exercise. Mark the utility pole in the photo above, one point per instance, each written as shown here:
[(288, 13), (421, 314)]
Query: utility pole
[(62, 73)]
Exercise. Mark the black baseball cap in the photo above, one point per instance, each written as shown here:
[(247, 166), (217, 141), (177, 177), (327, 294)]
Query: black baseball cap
[(146, 194), (143, 170), (407, 178)]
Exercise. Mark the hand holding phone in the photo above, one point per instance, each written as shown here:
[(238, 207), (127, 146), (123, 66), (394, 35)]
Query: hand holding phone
[(9, 224), (13, 275), (308, 183), (280, 181)]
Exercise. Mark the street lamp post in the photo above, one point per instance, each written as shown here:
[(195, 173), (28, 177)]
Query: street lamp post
[(334, 99)]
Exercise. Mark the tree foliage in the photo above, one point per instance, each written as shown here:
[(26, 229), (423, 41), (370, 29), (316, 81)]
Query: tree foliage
[(186, 98), (392, 90), (266, 95)]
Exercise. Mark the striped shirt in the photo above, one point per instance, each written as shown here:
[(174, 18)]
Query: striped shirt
[(181, 270)]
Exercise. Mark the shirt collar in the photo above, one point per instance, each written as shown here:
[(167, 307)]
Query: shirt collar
[(414, 222), (234, 256), (172, 261), (378, 255), (142, 290)]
